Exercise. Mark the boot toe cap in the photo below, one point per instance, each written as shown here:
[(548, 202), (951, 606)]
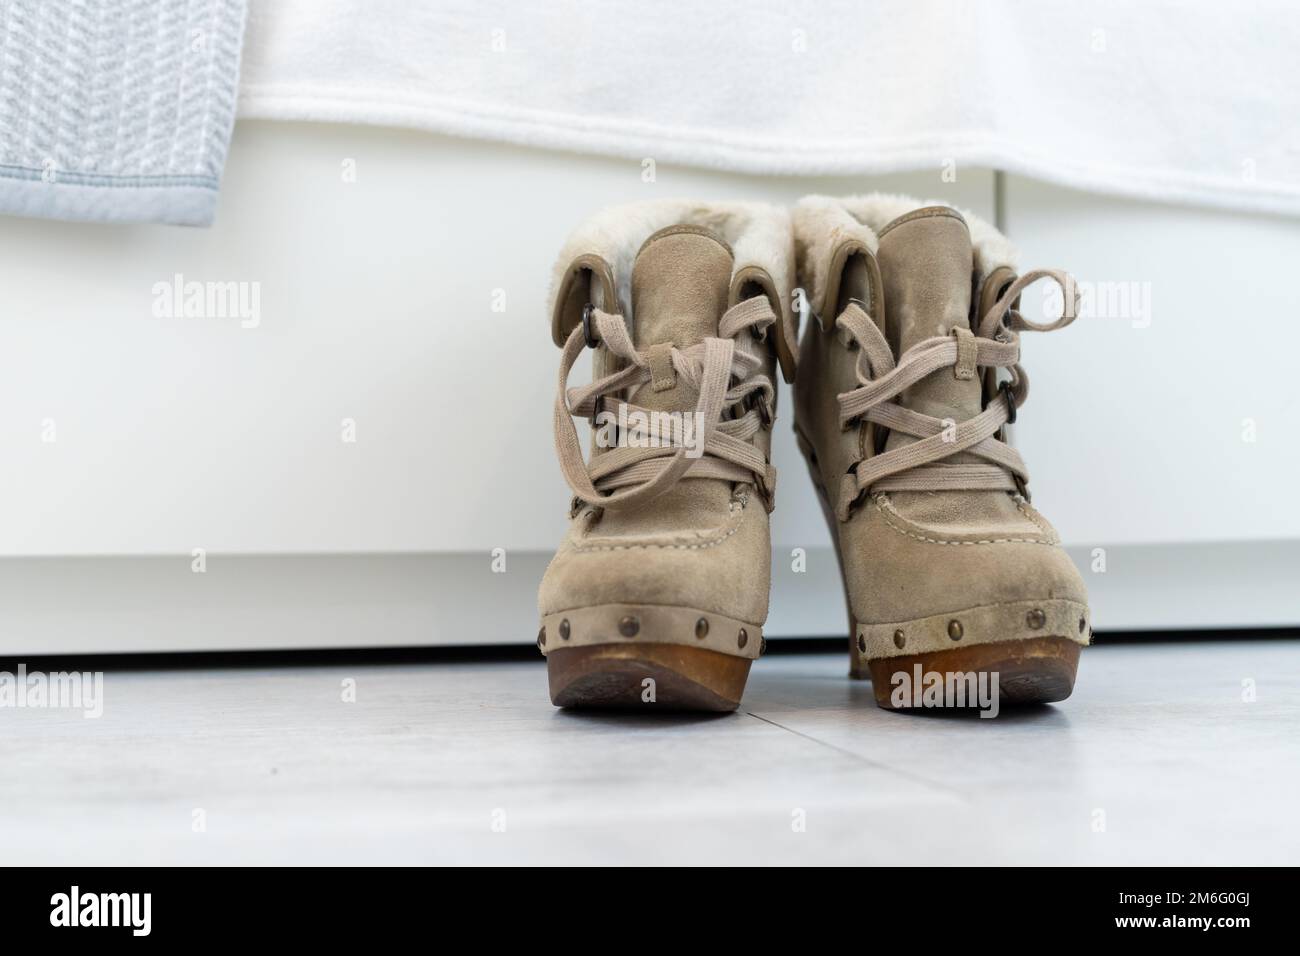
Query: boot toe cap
[(725, 570)]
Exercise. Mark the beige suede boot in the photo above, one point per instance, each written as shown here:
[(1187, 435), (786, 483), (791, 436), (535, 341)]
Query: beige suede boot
[(899, 410), (658, 593)]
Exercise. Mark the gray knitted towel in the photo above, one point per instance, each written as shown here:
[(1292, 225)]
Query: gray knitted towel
[(117, 110)]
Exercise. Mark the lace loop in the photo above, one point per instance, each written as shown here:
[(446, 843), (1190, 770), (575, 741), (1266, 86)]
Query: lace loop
[(1017, 322)]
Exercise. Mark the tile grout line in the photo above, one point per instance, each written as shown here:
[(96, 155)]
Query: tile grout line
[(867, 760)]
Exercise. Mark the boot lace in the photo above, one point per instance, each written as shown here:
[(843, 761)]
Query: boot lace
[(916, 466), (624, 476)]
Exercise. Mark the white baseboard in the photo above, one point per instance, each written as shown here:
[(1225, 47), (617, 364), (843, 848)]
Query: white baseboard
[(137, 604)]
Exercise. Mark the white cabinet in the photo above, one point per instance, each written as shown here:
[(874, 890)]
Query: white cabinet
[(131, 439), (1168, 412)]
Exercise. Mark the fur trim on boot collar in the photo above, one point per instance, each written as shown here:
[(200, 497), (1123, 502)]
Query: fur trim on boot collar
[(596, 262), (829, 229)]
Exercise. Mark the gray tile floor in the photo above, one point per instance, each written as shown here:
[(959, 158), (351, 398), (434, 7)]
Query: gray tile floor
[(1160, 757)]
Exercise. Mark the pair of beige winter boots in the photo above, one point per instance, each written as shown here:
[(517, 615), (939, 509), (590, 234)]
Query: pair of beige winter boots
[(903, 384)]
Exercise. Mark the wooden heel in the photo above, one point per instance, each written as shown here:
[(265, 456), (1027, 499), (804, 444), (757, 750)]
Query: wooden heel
[(1036, 670), (647, 677)]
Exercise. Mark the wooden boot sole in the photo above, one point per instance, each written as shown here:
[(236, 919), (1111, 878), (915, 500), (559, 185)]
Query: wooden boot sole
[(1037, 670), (647, 677), (648, 656)]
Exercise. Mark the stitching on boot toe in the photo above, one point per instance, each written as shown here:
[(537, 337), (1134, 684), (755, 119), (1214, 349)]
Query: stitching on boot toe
[(734, 523), (882, 501), (1048, 531)]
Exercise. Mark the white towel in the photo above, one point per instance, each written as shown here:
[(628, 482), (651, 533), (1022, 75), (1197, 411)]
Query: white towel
[(1193, 101), (116, 110)]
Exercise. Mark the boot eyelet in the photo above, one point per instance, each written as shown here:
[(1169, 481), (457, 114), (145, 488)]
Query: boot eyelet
[(754, 400), (1005, 389), (587, 335)]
